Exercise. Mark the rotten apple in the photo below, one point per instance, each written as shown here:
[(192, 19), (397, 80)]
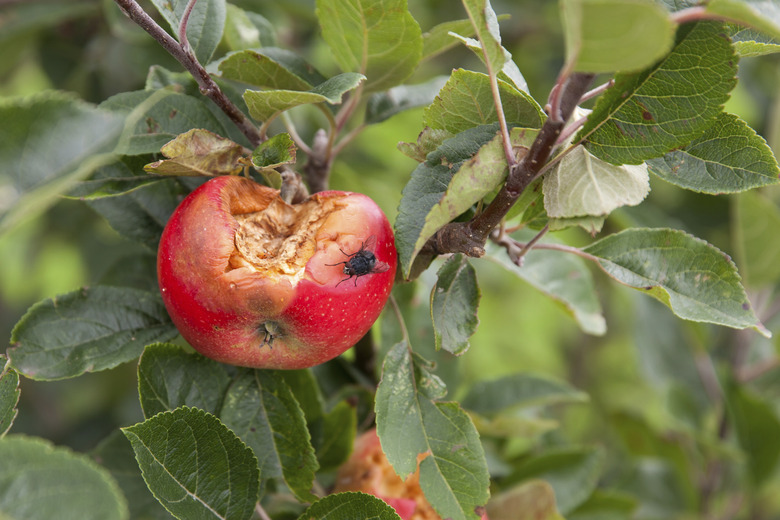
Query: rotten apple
[(369, 471), (251, 280)]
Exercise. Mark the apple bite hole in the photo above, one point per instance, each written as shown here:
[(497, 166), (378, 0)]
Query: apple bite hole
[(280, 239)]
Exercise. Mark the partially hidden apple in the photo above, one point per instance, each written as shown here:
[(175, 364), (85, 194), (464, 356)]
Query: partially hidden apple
[(369, 471), (252, 281)]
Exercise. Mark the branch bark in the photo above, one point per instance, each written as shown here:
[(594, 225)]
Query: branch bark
[(470, 237), (317, 168), (293, 190), (207, 85)]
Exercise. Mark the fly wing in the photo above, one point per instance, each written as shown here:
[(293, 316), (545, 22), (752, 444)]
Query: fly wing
[(380, 267), (369, 244)]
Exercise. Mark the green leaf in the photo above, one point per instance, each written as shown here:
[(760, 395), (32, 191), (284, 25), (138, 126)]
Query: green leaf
[(265, 104), (378, 38), (204, 27), (729, 157), (307, 392), (339, 427), (533, 500), (563, 277), (674, 469), (55, 140), (427, 186), (86, 331), (271, 68), (169, 378), (509, 73), (657, 487), (121, 177), (384, 105), (606, 505), (609, 35), (9, 395), (751, 49), (276, 151), (39, 481), (427, 141), (761, 14), (519, 391), (694, 279), (678, 5), (454, 300), (141, 213), (355, 506), (485, 23), (137, 269), (268, 38), (477, 177), (262, 410), (573, 474), (466, 101), (592, 225), (155, 117), (199, 153), (160, 78), (245, 30), (206, 473), (24, 18), (438, 39), (650, 113), (756, 221), (529, 204), (411, 421), (584, 185), (524, 426), (757, 427), (657, 335), (116, 455)]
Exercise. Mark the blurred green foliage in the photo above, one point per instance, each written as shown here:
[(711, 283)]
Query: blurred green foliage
[(95, 52)]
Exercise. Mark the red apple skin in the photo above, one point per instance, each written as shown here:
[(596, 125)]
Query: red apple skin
[(222, 308)]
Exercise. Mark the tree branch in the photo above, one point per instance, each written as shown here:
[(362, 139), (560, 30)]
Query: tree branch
[(470, 237), (317, 167), (207, 85), (292, 187)]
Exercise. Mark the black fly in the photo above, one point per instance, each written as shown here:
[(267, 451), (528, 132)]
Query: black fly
[(361, 262)]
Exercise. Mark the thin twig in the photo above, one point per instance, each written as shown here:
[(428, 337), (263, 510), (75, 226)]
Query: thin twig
[(553, 106), (597, 91), (261, 512), (756, 370), (290, 126), (400, 318), (505, 138), (317, 167), (708, 377), (185, 20), (470, 237), (569, 130), (348, 138), (516, 250), (347, 109), (206, 83), (568, 249), (696, 14), (531, 244)]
